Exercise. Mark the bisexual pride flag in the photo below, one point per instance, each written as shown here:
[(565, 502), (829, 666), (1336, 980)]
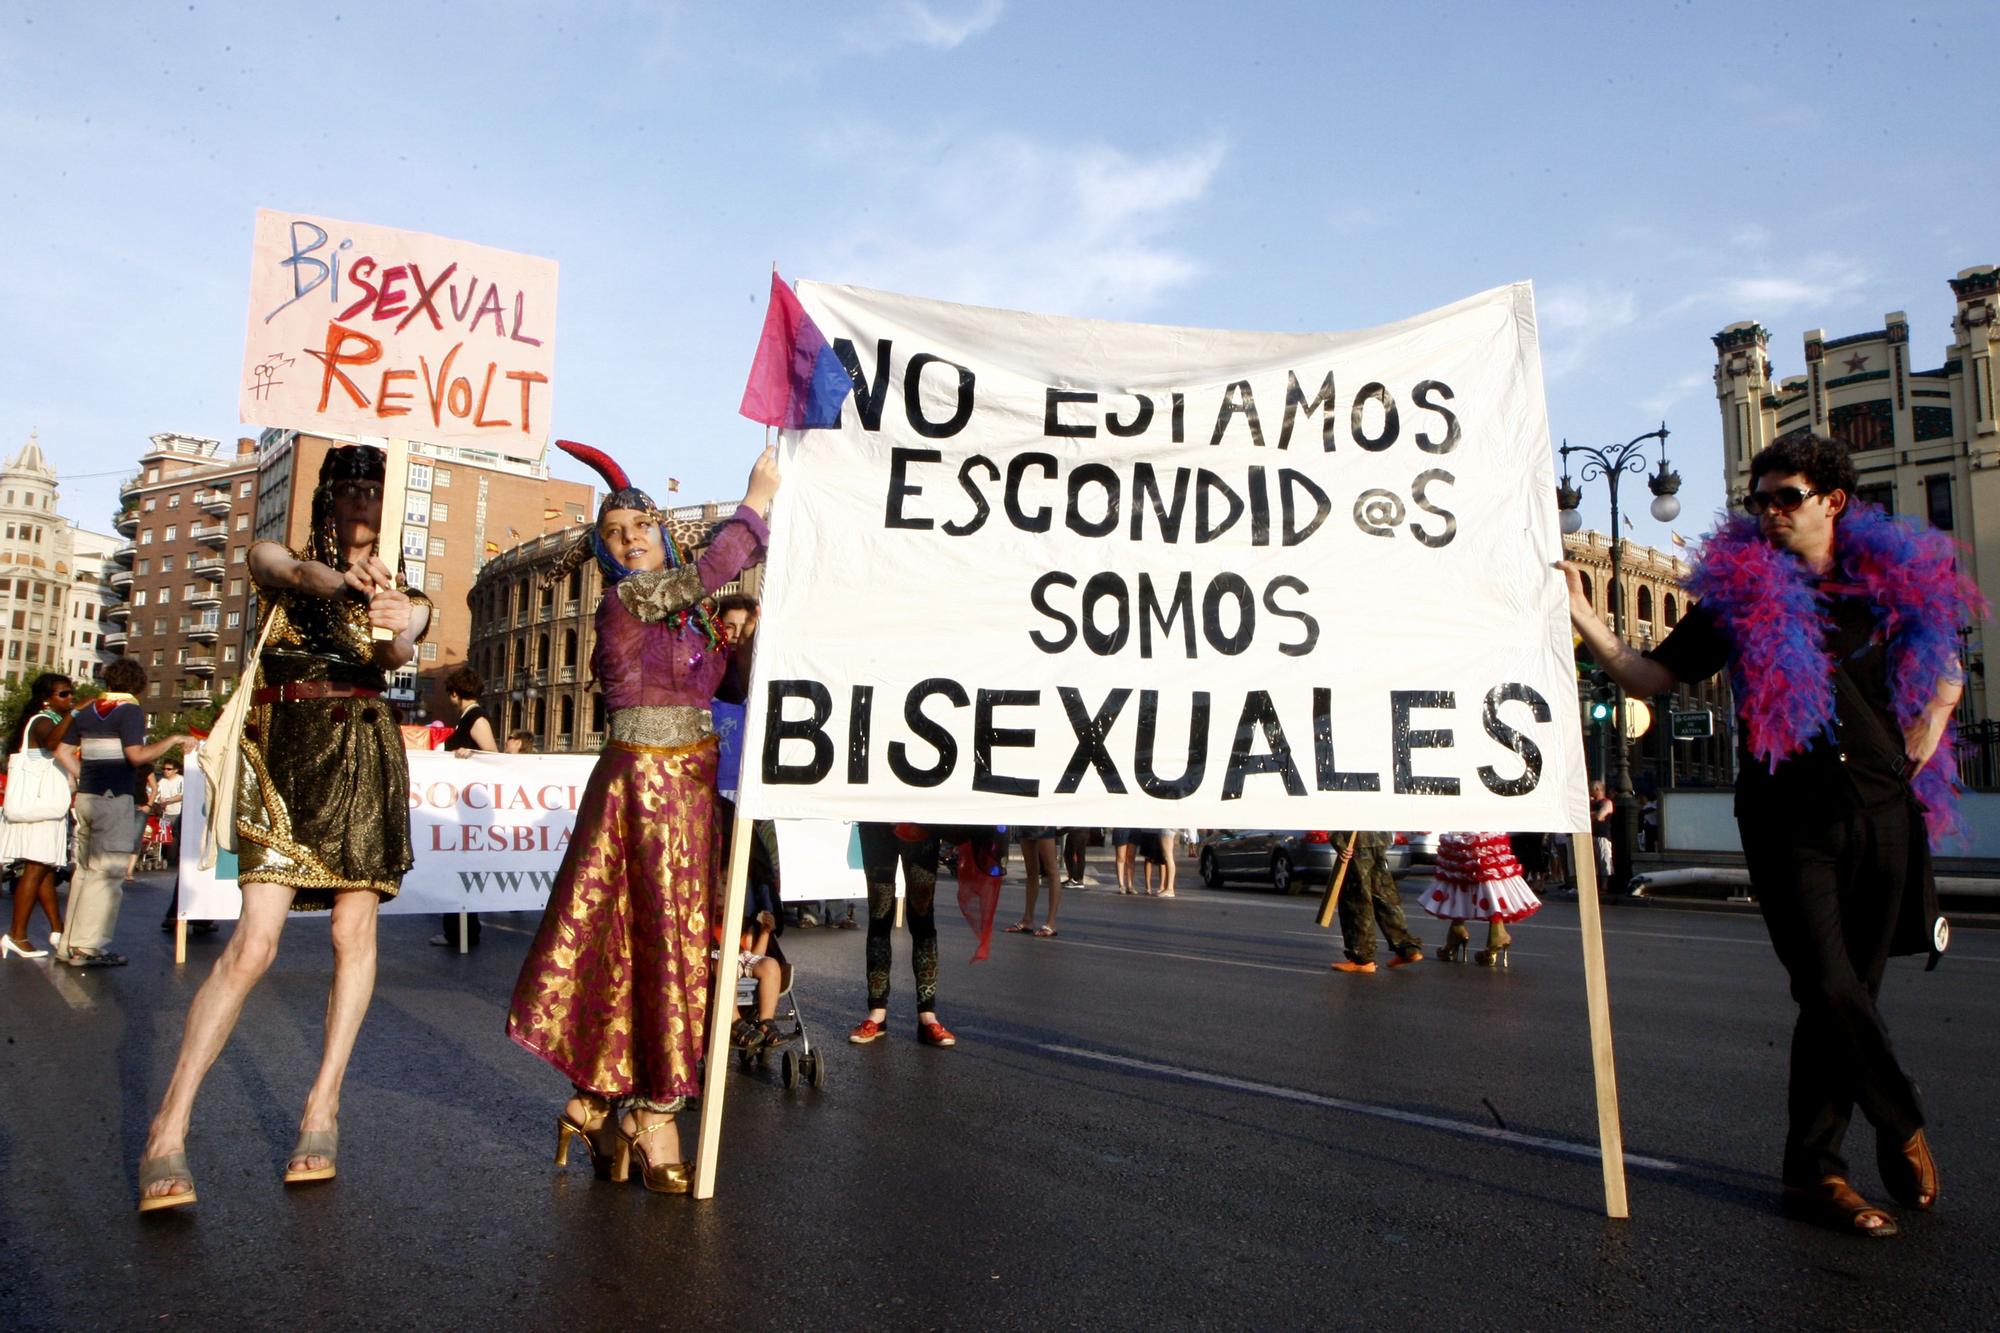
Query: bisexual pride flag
[(796, 382)]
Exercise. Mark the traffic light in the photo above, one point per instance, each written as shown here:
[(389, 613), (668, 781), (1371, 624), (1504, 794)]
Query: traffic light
[(1600, 697)]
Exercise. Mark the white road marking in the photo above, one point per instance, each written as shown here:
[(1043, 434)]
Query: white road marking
[(1193, 957), (1758, 941), (1469, 1128), (66, 985)]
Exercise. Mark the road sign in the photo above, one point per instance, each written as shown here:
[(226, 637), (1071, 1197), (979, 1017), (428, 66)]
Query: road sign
[(1694, 726)]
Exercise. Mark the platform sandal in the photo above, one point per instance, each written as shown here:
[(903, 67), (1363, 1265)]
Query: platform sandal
[(660, 1178), (173, 1166)]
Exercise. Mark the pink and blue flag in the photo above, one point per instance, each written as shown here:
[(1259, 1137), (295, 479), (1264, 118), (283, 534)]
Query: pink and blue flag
[(796, 382)]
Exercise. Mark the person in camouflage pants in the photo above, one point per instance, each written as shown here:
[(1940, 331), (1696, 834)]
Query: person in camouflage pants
[(1368, 901)]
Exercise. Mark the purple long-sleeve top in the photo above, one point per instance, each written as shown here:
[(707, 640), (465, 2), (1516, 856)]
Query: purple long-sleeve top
[(640, 661)]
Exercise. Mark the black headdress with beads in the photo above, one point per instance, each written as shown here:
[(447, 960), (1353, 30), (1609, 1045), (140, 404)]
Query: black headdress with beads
[(346, 462)]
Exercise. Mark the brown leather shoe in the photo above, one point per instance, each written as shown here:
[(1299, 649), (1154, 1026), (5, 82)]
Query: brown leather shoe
[(1834, 1204), (1909, 1173)]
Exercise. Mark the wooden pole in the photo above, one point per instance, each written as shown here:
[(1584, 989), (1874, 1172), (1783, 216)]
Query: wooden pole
[(721, 1010), (1597, 995), (463, 945), (1332, 899), (180, 940), (395, 481)]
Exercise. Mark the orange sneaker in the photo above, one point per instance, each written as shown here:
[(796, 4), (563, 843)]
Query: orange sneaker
[(865, 1031), (935, 1034), (1348, 965)]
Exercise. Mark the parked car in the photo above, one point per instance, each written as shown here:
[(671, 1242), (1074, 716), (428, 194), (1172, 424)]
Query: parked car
[(1287, 860), (1422, 849)]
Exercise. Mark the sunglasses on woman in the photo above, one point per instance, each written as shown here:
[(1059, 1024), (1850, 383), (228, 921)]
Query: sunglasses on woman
[(1784, 499)]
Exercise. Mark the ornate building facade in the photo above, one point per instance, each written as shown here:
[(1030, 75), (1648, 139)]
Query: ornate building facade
[(36, 561), (531, 637), (1925, 442), (1652, 587)]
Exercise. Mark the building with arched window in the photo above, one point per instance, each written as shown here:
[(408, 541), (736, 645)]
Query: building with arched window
[(1654, 598), (1925, 443), (531, 636)]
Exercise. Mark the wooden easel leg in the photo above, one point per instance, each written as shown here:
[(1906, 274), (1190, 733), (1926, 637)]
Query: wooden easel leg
[(1597, 995), (721, 1011)]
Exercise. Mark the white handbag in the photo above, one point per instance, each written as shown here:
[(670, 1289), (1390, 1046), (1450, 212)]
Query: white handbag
[(37, 787), (220, 756)]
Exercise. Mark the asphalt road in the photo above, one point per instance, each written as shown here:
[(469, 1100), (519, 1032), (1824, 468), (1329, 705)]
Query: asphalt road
[(1172, 1115)]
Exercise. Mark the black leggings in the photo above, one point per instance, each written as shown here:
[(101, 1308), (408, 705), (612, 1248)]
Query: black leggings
[(880, 847)]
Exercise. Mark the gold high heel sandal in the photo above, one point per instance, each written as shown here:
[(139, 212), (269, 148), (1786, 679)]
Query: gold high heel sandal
[(604, 1159), (661, 1178), (1455, 941), (1497, 943)]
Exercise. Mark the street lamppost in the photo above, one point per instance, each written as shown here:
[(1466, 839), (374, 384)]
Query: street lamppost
[(1611, 463)]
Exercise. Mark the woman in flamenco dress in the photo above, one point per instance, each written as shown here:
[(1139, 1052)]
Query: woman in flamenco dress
[(614, 990), (1478, 879)]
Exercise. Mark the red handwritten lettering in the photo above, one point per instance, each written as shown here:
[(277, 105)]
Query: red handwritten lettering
[(336, 355)]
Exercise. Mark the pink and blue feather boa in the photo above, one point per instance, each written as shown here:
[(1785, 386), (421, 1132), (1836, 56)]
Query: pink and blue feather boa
[(1773, 613)]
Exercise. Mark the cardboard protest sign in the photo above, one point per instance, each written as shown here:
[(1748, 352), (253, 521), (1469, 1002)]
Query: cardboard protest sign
[(370, 331), (1068, 572)]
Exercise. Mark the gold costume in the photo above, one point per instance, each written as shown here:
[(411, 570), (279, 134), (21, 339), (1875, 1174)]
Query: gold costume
[(322, 803)]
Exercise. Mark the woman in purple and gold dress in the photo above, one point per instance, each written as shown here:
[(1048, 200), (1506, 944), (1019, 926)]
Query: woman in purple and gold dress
[(614, 991)]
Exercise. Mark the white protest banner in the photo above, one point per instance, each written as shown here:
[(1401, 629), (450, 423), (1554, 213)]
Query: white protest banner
[(820, 859), (488, 832), (1069, 572), (370, 331)]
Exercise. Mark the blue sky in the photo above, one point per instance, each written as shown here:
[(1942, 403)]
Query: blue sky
[(1658, 170)]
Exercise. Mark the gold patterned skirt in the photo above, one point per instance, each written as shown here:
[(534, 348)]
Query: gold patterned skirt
[(614, 991), (322, 799)]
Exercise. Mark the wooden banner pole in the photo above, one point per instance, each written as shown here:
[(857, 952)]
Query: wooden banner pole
[(1332, 899), (395, 481), (1610, 1136), (180, 940), (722, 1010)]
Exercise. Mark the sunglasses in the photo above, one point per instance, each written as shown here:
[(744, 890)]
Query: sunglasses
[(63, 694), (1784, 499)]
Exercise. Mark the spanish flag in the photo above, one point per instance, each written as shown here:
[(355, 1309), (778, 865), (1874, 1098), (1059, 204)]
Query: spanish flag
[(493, 548)]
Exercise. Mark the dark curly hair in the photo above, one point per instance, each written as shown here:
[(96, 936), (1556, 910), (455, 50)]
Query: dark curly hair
[(465, 682), (1824, 463)]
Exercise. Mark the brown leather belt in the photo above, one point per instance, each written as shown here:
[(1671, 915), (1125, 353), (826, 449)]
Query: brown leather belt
[(311, 689)]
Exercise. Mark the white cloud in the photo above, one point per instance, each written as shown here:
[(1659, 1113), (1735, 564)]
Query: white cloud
[(940, 26), (1003, 220), (1812, 280), (1657, 405), (1574, 318)]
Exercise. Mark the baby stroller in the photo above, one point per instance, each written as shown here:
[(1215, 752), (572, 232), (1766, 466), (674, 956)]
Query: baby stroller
[(754, 1052)]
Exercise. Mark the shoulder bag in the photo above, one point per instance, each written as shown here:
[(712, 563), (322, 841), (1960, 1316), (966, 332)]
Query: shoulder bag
[(220, 756), (37, 786)]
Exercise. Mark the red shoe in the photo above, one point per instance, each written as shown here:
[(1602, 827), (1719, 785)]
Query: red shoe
[(866, 1031), (1351, 966), (1405, 959), (935, 1034)]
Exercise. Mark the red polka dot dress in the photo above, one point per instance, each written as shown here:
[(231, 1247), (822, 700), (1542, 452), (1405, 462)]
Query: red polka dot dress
[(1478, 879)]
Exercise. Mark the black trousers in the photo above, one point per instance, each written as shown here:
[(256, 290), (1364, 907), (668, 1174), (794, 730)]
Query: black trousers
[(880, 851), (1830, 894)]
